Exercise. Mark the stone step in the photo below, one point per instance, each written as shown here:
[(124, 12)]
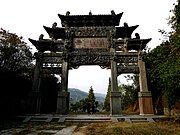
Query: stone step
[(133, 121), (37, 119), (88, 119), (143, 119), (139, 119)]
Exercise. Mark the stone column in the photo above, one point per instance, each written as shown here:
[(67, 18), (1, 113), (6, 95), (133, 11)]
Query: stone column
[(145, 97), (35, 95), (115, 96), (63, 94)]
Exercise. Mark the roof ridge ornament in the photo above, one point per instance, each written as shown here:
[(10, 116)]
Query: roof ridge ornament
[(54, 25), (112, 12), (90, 13), (41, 37), (67, 13), (126, 24), (137, 36)]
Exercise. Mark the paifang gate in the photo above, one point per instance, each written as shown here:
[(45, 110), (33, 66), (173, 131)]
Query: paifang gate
[(90, 40)]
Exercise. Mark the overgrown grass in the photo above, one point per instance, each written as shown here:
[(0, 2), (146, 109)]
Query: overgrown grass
[(108, 128), (124, 128)]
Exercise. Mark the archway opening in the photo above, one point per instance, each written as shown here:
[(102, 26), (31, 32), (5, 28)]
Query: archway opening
[(82, 79), (129, 93)]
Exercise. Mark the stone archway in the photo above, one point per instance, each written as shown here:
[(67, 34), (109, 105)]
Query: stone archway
[(90, 40)]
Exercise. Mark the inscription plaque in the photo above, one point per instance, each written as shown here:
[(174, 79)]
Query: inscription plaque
[(90, 43)]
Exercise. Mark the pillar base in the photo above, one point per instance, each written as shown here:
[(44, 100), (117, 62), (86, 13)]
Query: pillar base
[(115, 103), (145, 103), (62, 102), (34, 102)]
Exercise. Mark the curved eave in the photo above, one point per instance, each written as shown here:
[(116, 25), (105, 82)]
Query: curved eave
[(41, 45), (56, 33), (134, 44), (122, 32), (47, 45), (90, 20), (137, 44)]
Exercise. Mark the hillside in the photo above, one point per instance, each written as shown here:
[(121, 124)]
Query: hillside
[(76, 95)]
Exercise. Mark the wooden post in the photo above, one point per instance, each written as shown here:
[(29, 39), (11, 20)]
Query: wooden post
[(145, 97)]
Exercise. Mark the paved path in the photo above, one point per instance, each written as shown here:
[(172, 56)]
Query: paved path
[(66, 131)]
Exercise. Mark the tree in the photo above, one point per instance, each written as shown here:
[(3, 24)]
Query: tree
[(15, 53), (107, 98), (130, 93), (163, 65), (83, 104), (15, 73), (91, 98)]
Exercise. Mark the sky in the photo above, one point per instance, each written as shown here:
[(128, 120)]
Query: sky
[(26, 18)]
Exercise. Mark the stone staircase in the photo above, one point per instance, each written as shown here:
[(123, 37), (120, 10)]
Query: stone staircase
[(80, 118), (86, 118)]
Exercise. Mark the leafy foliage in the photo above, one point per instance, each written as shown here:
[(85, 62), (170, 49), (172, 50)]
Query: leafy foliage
[(15, 54), (91, 98), (88, 104), (81, 105), (163, 65), (107, 98), (130, 93), (15, 73)]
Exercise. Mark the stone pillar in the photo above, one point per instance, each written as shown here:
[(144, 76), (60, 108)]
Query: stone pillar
[(115, 95), (62, 102), (34, 102), (145, 103), (145, 97), (63, 94)]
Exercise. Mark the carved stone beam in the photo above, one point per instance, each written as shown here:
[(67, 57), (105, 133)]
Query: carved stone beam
[(129, 57), (125, 69), (52, 58), (51, 70)]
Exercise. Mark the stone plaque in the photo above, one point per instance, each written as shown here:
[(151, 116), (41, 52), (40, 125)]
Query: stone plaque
[(90, 43)]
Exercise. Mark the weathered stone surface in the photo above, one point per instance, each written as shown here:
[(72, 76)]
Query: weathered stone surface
[(62, 102), (115, 98), (145, 103), (90, 40)]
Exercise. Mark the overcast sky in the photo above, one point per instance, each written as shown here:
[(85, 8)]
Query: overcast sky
[(26, 19)]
